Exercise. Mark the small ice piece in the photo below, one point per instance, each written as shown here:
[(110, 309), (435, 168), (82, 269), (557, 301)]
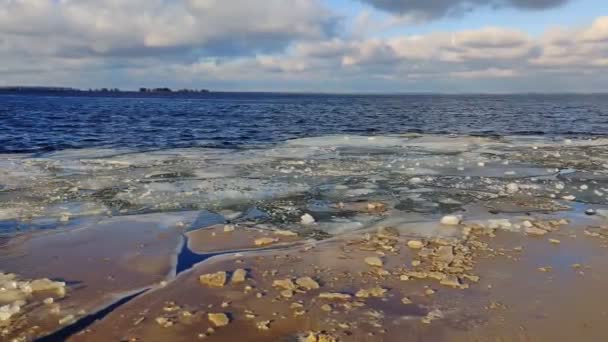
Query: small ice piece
[(590, 212), (500, 223), (568, 141), (64, 217), (307, 219), (7, 311), (560, 186), (569, 198), (602, 213), (416, 180), (481, 164), (451, 220), (527, 224), (584, 187), (512, 188)]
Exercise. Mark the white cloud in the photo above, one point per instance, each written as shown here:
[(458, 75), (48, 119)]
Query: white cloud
[(137, 27), (273, 45), (575, 48), (485, 73)]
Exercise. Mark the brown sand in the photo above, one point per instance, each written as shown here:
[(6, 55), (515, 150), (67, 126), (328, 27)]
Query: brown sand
[(216, 239), (514, 301)]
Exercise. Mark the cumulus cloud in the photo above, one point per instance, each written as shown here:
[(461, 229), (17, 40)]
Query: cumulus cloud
[(438, 8), (74, 28), (279, 45), (564, 50), (489, 44)]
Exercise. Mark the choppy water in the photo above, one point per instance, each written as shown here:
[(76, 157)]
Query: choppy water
[(42, 123)]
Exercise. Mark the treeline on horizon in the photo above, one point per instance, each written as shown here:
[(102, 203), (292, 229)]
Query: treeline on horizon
[(101, 90)]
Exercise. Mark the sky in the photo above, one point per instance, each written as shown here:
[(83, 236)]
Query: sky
[(336, 46)]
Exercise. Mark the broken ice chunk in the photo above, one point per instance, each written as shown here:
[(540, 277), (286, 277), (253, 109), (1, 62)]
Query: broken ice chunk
[(307, 219)]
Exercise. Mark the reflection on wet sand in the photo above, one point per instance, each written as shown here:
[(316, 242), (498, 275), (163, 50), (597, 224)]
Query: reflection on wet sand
[(99, 262)]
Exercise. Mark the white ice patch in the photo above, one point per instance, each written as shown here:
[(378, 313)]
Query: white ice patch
[(421, 172)]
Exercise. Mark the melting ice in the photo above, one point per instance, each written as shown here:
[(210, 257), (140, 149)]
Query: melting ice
[(417, 177)]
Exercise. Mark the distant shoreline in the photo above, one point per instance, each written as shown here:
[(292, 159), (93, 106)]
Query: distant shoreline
[(45, 90), (34, 89)]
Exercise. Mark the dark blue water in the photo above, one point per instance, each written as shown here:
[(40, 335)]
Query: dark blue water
[(47, 122)]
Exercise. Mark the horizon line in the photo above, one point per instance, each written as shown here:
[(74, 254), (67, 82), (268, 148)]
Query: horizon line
[(182, 90)]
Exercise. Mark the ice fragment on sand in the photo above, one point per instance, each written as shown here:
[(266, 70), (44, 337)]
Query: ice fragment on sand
[(286, 284), (335, 296), (218, 319), (307, 219), (415, 244), (307, 283), (451, 220), (40, 285), (239, 276), (213, 279), (69, 319), (263, 325), (7, 311), (535, 231), (374, 261), (500, 223), (450, 280), (377, 292), (285, 233), (512, 188), (65, 217), (265, 241), (314, 337)]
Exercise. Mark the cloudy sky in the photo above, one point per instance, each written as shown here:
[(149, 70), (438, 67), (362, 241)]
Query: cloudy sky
[(308, 45)]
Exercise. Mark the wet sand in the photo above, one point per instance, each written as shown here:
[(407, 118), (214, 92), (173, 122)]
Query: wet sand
[(219, 238), (513, 301), (97, 267)]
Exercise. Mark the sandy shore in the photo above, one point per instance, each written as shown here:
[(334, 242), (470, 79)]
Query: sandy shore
[(518, 288)]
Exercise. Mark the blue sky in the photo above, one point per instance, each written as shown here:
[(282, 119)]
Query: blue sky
[(308, 45), (574, 13)]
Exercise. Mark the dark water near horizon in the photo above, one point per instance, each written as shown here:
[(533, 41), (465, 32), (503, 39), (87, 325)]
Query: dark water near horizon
[(48, 122)]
